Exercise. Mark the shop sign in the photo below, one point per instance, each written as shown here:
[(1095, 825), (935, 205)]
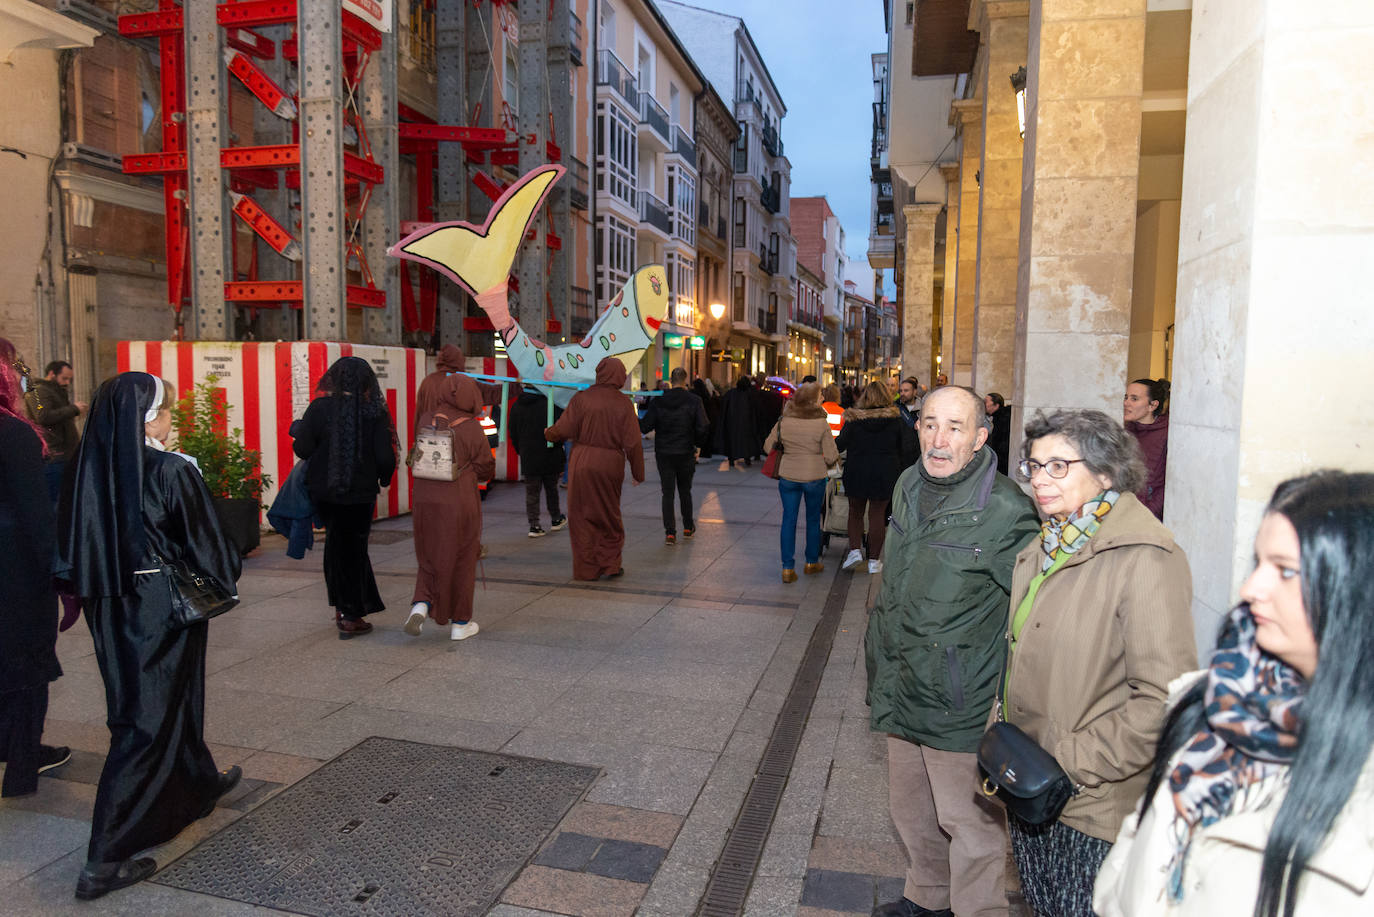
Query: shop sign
[(696, 342), (672, 340)]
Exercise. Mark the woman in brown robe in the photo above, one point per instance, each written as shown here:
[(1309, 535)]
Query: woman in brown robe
[(602, 424), (447, 515)]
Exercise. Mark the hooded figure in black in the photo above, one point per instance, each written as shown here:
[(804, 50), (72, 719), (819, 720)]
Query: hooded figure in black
[(122, 504), (346, 434), (737, 436)]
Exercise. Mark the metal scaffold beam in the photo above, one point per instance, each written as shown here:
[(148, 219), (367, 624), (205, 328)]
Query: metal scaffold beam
[(320, 37), (451, 199), (209, 227), (381, 219), (533, 120)]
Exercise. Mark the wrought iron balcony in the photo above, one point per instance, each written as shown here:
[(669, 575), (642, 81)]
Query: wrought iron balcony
[(655, 212), (574, 39), (655, 117), (879, 129), (577, 195), (771, 198), (611, 72), (771, 141), (768, 322), (767, 263), (684, 146)]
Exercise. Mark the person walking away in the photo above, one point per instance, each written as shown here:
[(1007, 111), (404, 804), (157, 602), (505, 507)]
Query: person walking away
[(738, 436), (830, 403), (909, 401), (1260, 797), (447, 515), (808, 452), (602, 424), (1101, 624), (678, 421), (126, 506), (933, 650), (999, 440), (1143, 408), (49, 404), (28, 603), (541, 462), (702, 389), (877, 444), (768, 405), (347, 435)]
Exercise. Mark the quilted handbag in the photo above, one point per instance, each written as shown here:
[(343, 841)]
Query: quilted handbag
[(1027, 779)]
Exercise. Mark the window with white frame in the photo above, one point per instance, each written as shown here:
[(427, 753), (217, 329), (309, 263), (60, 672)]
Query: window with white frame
[(615, 257), (617, 151), (682, 284), (682, 197)]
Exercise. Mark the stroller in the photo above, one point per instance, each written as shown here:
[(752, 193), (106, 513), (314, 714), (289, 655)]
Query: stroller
[(835, 508)]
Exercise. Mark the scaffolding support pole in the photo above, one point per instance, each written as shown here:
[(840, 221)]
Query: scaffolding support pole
[(382, 221), (323, 215), (450, 64), (560, 207), (277, 323), (533, 121), (206, 100)]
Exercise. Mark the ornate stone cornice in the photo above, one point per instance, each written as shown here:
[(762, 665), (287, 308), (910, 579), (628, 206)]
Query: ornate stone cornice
[(965, 111)]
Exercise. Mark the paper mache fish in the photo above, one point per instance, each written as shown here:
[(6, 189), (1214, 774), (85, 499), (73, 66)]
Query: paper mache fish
[(479, 259)]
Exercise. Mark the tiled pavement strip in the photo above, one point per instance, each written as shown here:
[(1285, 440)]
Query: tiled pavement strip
[(669, 679)]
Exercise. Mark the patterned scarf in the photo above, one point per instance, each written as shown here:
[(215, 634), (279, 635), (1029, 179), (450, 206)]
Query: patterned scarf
[(1069, 535), (1252, 705)]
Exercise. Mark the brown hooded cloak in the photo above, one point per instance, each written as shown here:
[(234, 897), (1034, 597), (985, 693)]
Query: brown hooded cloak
[(447, 515), (602, 424)]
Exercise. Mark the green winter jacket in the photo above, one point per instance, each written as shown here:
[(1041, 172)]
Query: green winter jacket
[(937, 634)]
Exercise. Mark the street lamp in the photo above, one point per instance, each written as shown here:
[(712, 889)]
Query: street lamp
[(1018, 83), (717, 310)]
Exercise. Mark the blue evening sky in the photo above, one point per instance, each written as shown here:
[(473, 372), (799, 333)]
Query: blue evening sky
[(818, 52)]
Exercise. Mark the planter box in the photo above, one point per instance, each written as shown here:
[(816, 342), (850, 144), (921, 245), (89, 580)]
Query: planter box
[(239, 518)]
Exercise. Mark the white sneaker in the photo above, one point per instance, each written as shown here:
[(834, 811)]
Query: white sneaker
[(418, 612), (875, 566), (852, 559), (458, 631)]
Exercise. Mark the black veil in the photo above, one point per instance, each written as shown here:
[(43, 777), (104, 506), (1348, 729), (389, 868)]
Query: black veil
[(100, 536), (354, 394)]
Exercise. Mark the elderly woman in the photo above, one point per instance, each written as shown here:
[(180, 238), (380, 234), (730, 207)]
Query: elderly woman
[(1100, 624), (808, 452), (1262, 790)]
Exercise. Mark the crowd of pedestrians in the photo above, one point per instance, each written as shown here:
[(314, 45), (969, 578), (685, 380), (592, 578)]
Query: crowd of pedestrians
[(1060, 609)]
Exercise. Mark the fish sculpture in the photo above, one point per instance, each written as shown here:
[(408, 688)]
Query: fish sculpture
[(479, 259)]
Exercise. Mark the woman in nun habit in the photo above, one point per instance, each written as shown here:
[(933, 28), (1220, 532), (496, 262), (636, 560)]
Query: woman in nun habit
[(122, 503), (346, 434)]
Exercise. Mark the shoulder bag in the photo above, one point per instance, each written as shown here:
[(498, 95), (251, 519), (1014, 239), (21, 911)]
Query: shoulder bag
[(1027, 779), (772, 466), (195, 597)]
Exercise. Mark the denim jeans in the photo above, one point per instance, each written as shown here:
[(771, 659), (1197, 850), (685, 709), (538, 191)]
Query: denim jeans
[(792, 493)]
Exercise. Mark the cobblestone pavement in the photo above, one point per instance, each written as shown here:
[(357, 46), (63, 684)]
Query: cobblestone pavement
[(668, 679)]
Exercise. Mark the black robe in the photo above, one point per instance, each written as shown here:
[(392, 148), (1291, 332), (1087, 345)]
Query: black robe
[(159, 775), (737, 436)]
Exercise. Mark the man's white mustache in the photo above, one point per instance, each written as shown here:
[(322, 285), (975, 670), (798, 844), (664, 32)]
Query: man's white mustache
[(940, 454)]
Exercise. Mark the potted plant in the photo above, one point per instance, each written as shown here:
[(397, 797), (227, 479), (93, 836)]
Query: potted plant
[(232, 472)]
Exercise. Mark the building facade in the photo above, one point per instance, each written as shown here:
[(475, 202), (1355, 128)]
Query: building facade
[(820, 247)]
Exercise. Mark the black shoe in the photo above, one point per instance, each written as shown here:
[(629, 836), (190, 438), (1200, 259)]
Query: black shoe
[(228, 779), (536, 532), (353, 627), (108, 877), (559, 524), (905, 907), (50, 757)]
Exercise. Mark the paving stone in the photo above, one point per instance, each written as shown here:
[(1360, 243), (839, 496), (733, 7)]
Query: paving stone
[(676, 890), (569, 850), (889, 888), (578, 893), (628, 860), (30, 841), (838, 891), (623, 823)]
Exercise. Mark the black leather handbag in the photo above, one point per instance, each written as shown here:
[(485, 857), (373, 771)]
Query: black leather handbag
[(195, 596), (1027, 779)]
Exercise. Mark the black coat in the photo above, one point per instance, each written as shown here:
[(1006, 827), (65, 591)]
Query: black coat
[(529, 416), (877, 445), (678, 420), (28, 604), (737, 434), (999, 439), (373, 471)]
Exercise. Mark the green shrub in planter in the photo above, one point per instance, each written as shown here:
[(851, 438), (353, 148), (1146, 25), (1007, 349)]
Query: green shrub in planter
[(232, 472)]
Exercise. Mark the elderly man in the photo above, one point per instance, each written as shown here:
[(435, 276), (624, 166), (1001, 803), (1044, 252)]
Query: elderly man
[(935, 646)]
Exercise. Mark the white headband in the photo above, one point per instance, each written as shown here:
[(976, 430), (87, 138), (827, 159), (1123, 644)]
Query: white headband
[(156, 407)]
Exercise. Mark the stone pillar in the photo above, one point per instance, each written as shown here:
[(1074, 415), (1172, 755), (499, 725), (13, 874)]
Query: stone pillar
[(1078, 209), (918, 291), (950, 173), (1274, 334), (1004, 29), (968, 115)]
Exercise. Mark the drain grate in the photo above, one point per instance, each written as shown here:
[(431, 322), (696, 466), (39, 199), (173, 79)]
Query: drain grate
[(389, 828), (728, 886)]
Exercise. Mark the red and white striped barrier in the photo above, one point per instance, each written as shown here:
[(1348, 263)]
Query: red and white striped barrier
[(267, 385)]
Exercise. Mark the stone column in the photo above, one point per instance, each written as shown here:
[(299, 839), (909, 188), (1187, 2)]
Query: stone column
[(1274, 335), (950, 173), (1078, 209), (918, 291), (968, 115), (1004, 28)]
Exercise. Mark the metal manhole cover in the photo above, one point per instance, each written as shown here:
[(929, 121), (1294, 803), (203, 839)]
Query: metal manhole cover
[(389, 828)]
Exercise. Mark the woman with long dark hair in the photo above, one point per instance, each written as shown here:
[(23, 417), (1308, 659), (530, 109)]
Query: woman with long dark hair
[(28, 604), (1145, 413), (124, 506), (347, 435), (877, 444), (1260, 798)]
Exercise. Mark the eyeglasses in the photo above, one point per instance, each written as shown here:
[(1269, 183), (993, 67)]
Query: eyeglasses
[(1055, 468)]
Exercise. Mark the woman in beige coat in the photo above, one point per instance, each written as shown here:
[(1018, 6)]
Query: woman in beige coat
[(1100, 626), (808, 451), (1261, 796)]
